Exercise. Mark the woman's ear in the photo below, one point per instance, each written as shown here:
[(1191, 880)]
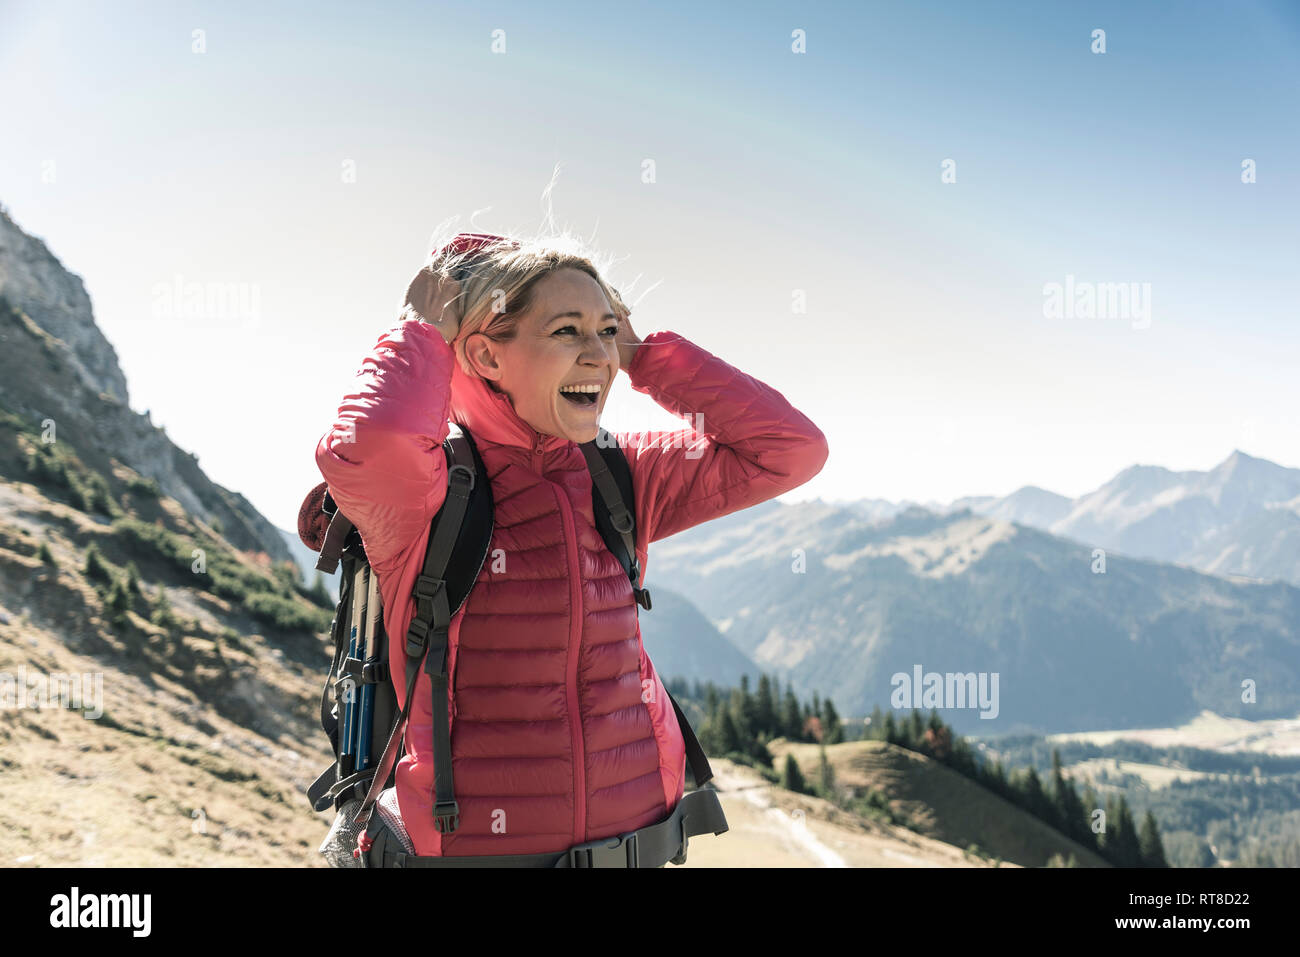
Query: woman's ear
[(481, 354)]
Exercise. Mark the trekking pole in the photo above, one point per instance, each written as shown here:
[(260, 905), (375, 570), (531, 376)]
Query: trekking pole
[(368, 650), (347, 742)]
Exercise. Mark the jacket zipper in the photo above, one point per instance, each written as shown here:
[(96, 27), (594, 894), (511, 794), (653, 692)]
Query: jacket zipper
[(571, 692), (537, 452)]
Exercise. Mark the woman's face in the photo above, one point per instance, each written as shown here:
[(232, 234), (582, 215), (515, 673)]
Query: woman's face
[(566, 338)]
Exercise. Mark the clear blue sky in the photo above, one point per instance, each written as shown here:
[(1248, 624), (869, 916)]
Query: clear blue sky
[(924, 355)]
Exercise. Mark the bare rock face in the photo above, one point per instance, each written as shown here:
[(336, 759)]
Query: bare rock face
[(36, 283), (56, 364)]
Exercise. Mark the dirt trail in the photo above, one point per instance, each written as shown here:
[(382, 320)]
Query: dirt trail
[(772, 827)]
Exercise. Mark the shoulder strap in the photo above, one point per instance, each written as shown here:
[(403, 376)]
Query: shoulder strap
[(611, 479), (463, 528)]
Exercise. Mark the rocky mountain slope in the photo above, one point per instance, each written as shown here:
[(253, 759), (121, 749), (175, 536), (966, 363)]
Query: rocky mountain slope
[(59, 373), (160, 665)]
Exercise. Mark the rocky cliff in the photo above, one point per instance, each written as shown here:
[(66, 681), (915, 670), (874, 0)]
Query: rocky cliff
[(57, 366)]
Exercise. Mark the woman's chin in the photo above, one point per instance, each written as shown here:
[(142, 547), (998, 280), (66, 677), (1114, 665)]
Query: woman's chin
[(579, 426), (581, 432)]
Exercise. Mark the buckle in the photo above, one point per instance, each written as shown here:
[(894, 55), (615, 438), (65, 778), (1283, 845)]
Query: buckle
[(465, 470), (446, 817), (427, 587), (374, 672), (642, 597), (618, 851)]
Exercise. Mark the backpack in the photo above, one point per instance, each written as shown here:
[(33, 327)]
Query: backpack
[(358, 707)]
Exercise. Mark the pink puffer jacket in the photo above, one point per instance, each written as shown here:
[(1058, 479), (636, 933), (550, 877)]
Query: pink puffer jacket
[(561, 732)]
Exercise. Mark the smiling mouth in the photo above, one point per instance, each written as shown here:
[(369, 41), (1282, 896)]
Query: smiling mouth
[(583, 400)]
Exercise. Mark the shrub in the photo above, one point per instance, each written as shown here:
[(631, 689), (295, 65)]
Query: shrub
[(144, 487), (96, 571), (119, 600), (792, 777), (286, 613), (162, 615), (133, 583)]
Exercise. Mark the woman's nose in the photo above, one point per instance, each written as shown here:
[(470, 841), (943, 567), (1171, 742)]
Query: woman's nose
[(594, 350)]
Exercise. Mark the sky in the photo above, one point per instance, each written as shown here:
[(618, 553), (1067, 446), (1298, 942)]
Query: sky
[(798, 223)]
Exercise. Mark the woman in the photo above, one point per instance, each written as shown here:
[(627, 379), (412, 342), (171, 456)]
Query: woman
[(561, 731)]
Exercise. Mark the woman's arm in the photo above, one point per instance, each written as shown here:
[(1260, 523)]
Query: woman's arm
[(747, 445), (383, 457)]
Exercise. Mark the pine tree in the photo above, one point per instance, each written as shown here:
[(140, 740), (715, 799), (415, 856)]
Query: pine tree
[(1128, 846), (119, 601), (740, 715), (832, 729), (890, 729), (728, 734), (792, 777), (1032, 789), (791, 716), (96, 570), (917, 730), (826, 777), (935, 723), (748, 709), (876, 726), (1152, 849), (765, 719)]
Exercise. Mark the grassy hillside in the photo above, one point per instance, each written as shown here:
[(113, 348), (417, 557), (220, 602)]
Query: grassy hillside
[(207, 662), (940, 803)]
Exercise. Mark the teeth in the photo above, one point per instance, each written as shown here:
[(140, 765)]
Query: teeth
[(579, 388)]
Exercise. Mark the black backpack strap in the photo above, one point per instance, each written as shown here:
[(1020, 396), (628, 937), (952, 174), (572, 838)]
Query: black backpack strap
[(611, 479), (615, 516), (695, 755), (463, 522)]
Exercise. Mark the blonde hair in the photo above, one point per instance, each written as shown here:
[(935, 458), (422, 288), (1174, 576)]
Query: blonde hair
[(498, 283)]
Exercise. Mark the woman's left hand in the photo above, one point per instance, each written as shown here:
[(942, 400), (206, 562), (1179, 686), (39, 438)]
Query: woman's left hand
[(626, 337)]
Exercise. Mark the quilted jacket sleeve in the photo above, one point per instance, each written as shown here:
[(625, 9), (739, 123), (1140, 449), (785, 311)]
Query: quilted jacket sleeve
[(746, 443), (382, 458)]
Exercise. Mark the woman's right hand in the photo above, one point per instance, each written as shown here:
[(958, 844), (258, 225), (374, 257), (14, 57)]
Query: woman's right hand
[(434, 299)]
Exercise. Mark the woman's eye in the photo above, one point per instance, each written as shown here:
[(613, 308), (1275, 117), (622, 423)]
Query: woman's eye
[(612, 330)]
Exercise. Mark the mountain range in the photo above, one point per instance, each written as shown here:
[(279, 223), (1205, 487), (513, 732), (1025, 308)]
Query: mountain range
[(840, 604), (1240, 518)]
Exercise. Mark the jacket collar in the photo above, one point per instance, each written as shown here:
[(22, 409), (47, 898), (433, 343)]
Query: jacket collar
[(490, 415)]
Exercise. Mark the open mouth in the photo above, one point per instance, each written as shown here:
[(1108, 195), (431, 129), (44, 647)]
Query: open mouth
[(581, 399)]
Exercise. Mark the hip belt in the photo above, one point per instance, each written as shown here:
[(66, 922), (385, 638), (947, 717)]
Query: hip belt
[(698, 812)]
